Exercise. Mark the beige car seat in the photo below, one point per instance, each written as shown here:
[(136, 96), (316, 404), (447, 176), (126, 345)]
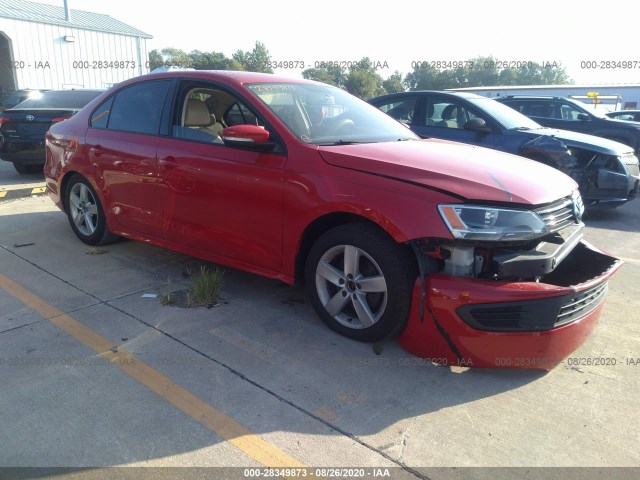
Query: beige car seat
[(197, 116), (449, 117)]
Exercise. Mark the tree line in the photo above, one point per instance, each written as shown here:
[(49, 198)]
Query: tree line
[(362, 78)]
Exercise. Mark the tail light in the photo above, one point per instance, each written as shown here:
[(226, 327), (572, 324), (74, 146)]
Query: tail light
[(4, 120), (58, 119)]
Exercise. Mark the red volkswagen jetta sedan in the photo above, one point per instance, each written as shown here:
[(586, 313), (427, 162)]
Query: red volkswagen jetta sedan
[(472, 256)]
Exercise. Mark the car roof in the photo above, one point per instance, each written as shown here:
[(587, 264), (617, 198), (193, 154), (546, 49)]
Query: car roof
[(231, 76), (534, 97)]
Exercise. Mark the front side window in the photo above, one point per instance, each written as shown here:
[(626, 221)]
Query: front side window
[(204, 112), (325, 115), (135, 109), (402, 109), (448, 114), (510, 115)]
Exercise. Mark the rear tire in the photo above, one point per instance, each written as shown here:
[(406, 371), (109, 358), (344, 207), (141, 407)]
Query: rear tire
[(360, 282), (85, 213)]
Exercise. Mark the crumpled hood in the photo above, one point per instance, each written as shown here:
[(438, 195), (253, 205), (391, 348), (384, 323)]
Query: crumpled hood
[(474, 173), (585, 141)]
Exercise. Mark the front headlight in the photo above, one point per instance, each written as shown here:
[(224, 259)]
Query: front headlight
[(469, 222)]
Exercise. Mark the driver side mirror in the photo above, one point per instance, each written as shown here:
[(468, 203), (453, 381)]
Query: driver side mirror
[(477, 125), (248, 137), (583, 116)]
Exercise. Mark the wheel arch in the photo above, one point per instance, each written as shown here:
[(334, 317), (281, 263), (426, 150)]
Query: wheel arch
[(64, 183), (63, 187), (103, 232), (321, 225)]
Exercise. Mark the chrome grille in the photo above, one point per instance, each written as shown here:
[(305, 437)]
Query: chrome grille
[(631, 162), (581, 304), (633, 169), (557, 215)]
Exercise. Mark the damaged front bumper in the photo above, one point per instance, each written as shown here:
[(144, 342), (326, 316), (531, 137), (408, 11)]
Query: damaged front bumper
[(510, 324)]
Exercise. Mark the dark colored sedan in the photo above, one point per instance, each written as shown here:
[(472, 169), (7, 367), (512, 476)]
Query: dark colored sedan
[(12, 99), (570, 114), (627, 115), (453, 246), (606, 171), (23, 127)]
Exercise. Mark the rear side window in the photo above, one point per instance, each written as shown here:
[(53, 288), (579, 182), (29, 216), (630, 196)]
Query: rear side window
[(136, 109), (100, 115)]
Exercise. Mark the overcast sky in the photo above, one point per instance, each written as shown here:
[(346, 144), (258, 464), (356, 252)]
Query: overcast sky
[(397, 33)]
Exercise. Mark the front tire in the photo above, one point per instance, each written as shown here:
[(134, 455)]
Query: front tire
[(360, 282), (85, 213)]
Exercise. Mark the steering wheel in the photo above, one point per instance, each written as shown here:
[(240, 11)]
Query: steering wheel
[(331, 126)]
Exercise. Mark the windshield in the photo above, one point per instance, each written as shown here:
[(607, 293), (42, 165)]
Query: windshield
[(60, 99), (506, 116), (325, 115)]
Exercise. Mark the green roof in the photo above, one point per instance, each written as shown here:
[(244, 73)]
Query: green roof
[(54, 15)]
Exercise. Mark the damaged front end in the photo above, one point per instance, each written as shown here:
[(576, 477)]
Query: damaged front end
[(524, 290), (606, 178)]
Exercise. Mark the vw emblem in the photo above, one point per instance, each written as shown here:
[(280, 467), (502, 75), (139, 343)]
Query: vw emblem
[(30, 118)]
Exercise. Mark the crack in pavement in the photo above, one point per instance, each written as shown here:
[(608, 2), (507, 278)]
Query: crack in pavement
[(229, 368)]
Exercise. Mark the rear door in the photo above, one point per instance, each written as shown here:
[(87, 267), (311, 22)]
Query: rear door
[(122, 141)]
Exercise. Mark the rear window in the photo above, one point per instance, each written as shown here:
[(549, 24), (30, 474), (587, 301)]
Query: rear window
[(61, 99)]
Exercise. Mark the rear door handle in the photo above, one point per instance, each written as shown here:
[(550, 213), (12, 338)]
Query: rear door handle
[(168, 162), (96, 150)]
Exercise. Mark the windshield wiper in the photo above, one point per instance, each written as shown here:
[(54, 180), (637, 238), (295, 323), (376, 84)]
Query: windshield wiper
[(340, 142), (356, 142)]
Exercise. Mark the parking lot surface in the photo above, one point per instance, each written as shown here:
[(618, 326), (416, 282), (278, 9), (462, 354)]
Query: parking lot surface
[(96, 372)]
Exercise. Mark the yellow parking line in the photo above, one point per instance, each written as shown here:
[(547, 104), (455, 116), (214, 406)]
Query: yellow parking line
[(233, 432), (36, 190), (3, 194)]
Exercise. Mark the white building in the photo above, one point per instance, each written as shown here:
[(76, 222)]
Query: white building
[(53, 47)]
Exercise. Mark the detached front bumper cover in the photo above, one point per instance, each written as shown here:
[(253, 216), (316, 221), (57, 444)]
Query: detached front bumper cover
[(479, 323)]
